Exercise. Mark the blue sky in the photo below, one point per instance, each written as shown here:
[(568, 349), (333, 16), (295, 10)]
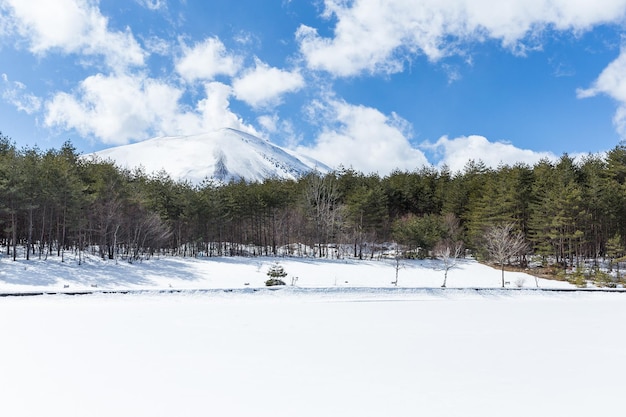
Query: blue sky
[(371, 84)]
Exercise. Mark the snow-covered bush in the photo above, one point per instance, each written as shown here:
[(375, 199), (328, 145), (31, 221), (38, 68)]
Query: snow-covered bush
[(276, 274)]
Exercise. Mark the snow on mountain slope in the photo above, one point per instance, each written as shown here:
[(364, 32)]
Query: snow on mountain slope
[(223, 155)]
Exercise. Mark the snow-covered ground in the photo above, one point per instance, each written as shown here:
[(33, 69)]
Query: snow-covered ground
[(289, 353), (240, 272), (343, 342)]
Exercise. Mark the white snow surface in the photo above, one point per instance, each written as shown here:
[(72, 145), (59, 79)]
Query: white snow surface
[(223, 155), (247, 272), (326, 347)]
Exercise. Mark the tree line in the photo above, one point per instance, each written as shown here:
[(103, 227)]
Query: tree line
[(54, 202)]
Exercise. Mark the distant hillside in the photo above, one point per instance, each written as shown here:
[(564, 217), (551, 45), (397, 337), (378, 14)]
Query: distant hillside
[(223, 155)]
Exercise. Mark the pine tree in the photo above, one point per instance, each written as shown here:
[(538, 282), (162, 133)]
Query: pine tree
[(615, 251), (276, 273)]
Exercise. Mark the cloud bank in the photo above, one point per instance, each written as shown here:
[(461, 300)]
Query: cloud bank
[(456, 152), (72, 27), (362, 138), (124, 108), (369, 141), (379, 36)]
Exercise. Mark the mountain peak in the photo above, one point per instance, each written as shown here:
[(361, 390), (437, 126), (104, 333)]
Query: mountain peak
[(224, 155)]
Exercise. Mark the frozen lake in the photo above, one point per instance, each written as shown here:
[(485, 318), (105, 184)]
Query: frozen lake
[(314, 353)]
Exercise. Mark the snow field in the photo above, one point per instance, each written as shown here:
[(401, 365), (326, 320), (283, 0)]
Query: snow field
[(289, 353), (240, 272)]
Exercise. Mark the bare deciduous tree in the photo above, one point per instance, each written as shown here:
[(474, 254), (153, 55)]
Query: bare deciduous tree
[(448, 252), (503, 242), (321, 197), (450, 248), (397, 259)]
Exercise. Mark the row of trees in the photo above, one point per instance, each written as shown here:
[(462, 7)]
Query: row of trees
[(55, 201)]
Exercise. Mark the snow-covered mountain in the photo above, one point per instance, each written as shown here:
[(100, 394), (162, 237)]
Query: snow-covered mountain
[(223, 155)]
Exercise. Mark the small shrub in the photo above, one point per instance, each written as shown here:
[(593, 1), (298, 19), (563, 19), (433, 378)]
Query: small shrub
[(558, 273), (578, 278), (602, 279)]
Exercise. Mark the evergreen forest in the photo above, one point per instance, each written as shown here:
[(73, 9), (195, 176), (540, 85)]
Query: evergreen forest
[(54, 202)]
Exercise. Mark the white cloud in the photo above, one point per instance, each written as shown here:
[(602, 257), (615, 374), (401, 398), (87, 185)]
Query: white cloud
[(269, 123), (363, 138), (153, 4), (156, 45), (377, 36), (612, 82), (15, 93), (115, 109), (619, 120), (122, 108), (279, 131), (264, 85), (207, 59), (5, 22), (455, 153), (215, 112), (246, 38), (369, 141), (72, 26)]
